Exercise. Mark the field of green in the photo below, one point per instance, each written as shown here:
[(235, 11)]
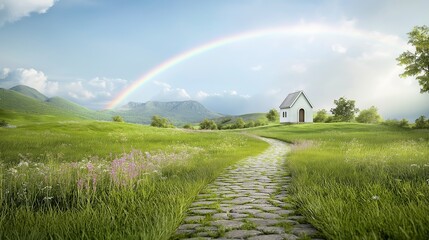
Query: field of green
[(359, 181), (74, 179)]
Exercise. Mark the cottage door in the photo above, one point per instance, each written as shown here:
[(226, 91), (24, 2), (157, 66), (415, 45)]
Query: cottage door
[(301, 115)]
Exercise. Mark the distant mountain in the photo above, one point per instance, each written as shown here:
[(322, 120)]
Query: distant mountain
[(179, 113), (29, 92), (28, 100)]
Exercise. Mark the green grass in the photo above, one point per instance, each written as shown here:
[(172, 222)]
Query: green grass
[(105, 180), (357, 181)]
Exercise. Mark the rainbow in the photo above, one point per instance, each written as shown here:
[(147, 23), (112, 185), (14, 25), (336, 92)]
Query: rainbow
[(300, 29)]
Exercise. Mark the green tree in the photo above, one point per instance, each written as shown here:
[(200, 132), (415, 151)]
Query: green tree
[(208, 125), (345, 110), (321, 116), (161, 122), (369, 115), (117, 118), (417, 62), (272, 115), (239, 123), (250, 124), (421, 122)]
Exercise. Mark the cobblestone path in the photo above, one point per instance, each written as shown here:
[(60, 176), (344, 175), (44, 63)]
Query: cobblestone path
[(249, 201)]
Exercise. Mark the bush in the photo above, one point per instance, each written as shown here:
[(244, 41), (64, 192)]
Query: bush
[(273, 115), (208, 125), (161, 122), (421, 123), (239, 123), (117, 118), (188, 126), (250, 124), (369, 115), (261, 122), (396, 123), (321, 116), (3, 123)]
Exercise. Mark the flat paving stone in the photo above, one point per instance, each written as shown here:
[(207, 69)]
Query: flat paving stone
[(242, 233), (227, 224), (247, 202)]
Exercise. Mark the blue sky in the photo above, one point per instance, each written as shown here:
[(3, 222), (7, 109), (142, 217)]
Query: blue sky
[(89, 50)]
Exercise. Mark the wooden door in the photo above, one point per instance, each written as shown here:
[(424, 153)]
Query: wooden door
[(301, 115)]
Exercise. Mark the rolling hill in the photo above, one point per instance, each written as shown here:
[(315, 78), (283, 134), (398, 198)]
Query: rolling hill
[(23, 99), (179, 113), (26, 100)]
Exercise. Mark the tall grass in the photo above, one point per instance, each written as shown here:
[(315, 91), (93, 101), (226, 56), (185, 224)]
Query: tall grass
[(95, 180), (356, 181)]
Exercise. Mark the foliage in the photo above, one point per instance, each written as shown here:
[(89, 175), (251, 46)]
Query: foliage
[(117, 118), (369, 115), (403, 123), (321, 116), (3, 123), (345, 110), (239, 123), (417, 62), (60, 181), (272, 115), (188, 126), (208, 125), (358, 181), (250, 124), (161, 122), (421, 123)]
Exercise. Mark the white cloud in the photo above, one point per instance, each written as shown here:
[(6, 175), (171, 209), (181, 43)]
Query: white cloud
[(298, 68), (13, 10), (338, 48), (29, 77), (168, 93), (256, 68)]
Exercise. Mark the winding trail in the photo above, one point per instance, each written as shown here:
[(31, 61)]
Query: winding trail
[(249, 201)]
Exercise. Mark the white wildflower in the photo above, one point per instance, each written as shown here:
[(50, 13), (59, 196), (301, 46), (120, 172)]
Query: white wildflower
[(47, 198), (375, 197), (23, 164)]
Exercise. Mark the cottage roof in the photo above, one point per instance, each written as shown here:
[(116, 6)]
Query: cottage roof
[(291, 99)]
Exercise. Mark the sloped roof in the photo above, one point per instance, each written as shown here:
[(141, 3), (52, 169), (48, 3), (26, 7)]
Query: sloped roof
[(291, 99)]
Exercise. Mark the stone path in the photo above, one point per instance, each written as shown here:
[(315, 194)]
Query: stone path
[(249, 201)]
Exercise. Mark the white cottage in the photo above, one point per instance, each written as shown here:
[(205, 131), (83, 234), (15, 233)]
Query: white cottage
[(296, 108)]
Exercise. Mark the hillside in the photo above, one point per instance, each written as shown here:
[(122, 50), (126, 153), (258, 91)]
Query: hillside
[(246, 117), (29, 92), (180, 112), (23, 99)]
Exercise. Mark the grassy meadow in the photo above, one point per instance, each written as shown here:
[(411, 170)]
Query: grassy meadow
[(75, 179), (359, 181)]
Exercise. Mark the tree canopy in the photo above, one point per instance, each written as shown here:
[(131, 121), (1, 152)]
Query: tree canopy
[(345, 110), (417, 62), (369, 115), (272, 115)]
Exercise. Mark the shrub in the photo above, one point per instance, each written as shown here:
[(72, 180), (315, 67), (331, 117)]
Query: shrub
[(369, 115), (208, 125), (261, 122), (239, 123), (3, 123), (396, 123), (188, 126), (421, 123), (161, 122), (321, 116), (250, 124), (117, 118), (272, 115)]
